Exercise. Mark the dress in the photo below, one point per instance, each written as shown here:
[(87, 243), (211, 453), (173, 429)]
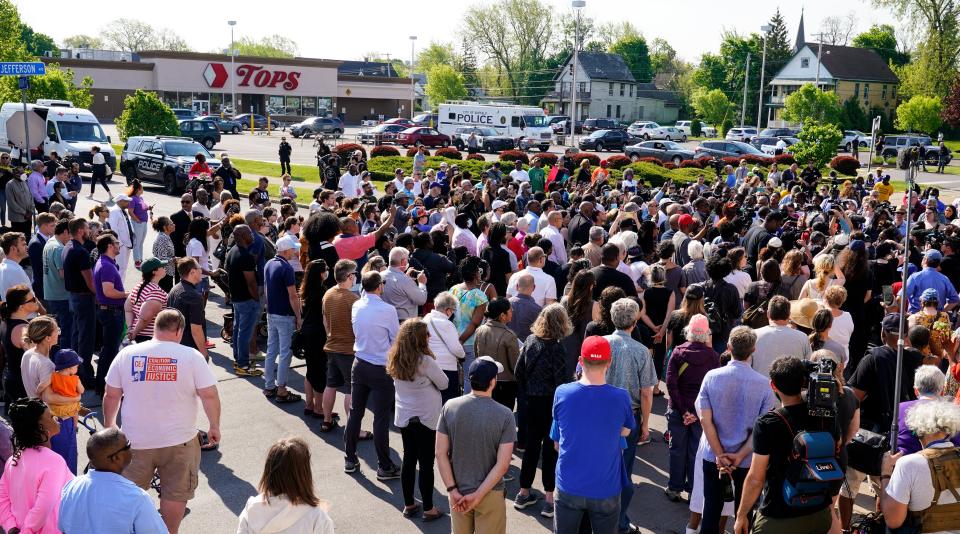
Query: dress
[(655, 299), (12, 379)]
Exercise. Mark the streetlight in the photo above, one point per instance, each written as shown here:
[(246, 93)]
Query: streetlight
[(763, 64), (577, 6), (233, 82), (413, 41)]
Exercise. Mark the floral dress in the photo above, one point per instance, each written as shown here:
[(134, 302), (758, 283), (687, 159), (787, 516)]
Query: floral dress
[(467, 302)]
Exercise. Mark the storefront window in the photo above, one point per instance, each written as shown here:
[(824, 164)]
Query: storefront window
[(324, 107), (186, 100), (216, 103), (170, 98), (275, 105), (293, 105), (309, 104)]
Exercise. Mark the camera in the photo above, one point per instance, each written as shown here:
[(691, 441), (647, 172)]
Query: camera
[(822, 390), (414, 273)]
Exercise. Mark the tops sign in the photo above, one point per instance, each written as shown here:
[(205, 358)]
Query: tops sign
[(216, 76)]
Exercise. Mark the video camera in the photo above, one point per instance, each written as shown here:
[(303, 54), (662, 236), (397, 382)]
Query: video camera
[(822, 388)]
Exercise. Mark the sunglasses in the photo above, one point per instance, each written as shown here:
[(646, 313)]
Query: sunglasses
[(126, 447)]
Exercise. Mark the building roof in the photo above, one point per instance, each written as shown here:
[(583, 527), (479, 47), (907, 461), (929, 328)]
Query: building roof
[(852, 63), (801, 37), (649, 90), (603, 66), (367, 68)]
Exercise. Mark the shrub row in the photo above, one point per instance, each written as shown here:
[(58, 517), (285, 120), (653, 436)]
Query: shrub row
[(846, 165)]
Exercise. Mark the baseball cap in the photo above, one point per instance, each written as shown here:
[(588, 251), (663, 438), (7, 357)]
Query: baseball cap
[(152, 264), (933, 254), (435, 184), (891, 323), (65, 359), (841, 240), (417, 212), (121, 197), (287, 242), (699, 325), (858, 245), (685, 220), (497, 204), (595, 349), (484, 369), (929, 294)]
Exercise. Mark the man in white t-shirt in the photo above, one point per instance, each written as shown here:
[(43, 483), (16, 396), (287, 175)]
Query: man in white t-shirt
[(160, 382), (545, 291), (518, 174), (14, 246), (350, 183)]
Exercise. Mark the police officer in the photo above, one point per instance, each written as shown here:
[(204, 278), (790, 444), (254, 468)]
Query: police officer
[(284, 153)]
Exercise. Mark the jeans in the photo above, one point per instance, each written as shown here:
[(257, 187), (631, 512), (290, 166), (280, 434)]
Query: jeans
[(539, 445), (279, 334), (111, 320), (684, 440), (467, 360), (418, 448), (713, 495), (61, 311), (371, 383), (139, 236), (83, 306), (65, 443), (629, 457), (3, 207), (571, 511), (246, 313)]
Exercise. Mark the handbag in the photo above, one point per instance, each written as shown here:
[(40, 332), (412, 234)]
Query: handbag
[(865, 452), (297, 347)]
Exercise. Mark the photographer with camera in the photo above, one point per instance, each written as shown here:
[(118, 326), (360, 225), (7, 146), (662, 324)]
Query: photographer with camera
[(795, 454), (405, 288)]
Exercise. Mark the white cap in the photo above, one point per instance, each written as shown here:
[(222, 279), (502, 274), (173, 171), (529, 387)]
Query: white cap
[(494, 362), (497, 204), (841, 240), (121, 197), (775, 242), (287, 242)]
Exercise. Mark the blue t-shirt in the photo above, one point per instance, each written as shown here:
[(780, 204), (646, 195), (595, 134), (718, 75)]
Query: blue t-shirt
[(587, 421), (279, 276)]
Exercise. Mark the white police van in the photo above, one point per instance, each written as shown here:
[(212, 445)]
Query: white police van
[(527, 125)]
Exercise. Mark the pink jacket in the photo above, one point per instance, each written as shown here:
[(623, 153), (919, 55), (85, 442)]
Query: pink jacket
[(30, 491)]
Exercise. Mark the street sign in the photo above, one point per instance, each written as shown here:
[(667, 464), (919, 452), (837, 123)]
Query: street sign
[(23, 82), (22, 69)]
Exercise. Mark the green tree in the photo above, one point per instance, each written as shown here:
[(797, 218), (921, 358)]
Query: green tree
[(635, 54), (713, 106), (809, 103), (710, 73), (920, 114), (818, 143), (82, 41), (12, 48), (38, 44), (853, 117), (145, 114), (934, 66), (882, 39), (270, 46), (779, 46), (131, 35), (612, 32), (444, 84), (436, 54), (726, 70)]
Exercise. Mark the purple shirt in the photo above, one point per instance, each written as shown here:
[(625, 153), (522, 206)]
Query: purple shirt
[(38, 186), (907, 443), (106, 270), (138, 207)]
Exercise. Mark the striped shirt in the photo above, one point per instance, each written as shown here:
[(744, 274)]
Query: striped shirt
[(150, 291)]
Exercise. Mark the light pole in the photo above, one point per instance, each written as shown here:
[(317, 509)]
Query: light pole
[(763, 65), (233, 83), (413, 41), (577, 6)]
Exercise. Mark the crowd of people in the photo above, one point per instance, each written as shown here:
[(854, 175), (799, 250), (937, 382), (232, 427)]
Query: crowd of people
[(535, 312)]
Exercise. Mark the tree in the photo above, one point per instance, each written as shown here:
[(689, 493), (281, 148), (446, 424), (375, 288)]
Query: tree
[(712, 106), (612, 32), (167, 39), (444, 84), (818, 143), (838, 30), (882, 39), (920, 114), (38, 44), (57, 83), (436, 54), (635, 54), (779, 46), (710, 73), (129, 35), (852, 116), (270, 46), (145, 114), (951, 106), (82, 41), (935, 64), (809, 103)]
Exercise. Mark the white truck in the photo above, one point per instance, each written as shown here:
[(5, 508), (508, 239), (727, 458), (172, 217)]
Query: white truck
[(527, 125), (70, 132)]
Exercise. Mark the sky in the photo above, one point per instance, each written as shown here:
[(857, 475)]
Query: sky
[(351, 30)]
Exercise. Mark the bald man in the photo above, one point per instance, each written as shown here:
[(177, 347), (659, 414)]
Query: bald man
[(552, 232), (102, 500), (525, 309)]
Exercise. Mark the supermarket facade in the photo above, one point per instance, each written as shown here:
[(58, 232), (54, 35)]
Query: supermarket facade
[(286, 88)]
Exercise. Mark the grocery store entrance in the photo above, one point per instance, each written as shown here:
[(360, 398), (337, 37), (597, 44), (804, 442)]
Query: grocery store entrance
[(252, 104)]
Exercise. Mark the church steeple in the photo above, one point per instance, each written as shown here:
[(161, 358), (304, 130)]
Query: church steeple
[(801, 40)]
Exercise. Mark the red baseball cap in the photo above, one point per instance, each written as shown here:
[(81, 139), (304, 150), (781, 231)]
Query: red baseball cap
[(685, 220), (595, 349)]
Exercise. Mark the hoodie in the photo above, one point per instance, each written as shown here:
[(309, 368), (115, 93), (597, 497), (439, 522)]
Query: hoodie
[(689, 363), (280, 517)]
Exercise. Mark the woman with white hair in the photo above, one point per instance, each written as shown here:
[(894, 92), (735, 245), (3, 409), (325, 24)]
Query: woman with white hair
[(444, 341), (695, 271), (928, 383), (906, 479)]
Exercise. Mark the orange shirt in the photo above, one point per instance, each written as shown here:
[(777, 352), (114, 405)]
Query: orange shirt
[(65, 385)]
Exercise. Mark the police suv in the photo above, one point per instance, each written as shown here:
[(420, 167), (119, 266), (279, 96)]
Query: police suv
[(163, 160)]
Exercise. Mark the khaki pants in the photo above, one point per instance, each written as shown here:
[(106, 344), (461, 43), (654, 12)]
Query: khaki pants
[(489, 517), (815, 522)]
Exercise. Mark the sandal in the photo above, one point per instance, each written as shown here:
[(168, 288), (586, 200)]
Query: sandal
[(270, 393), (410, 511), (289, 397), (365, 436), (327, 426), (428, 516)]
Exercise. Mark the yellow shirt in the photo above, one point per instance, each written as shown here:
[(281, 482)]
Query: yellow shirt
[(883, 191)]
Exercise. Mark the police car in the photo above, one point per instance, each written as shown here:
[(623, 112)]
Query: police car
[(162, 160)]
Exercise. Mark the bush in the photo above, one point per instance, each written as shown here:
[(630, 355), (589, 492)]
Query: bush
[(696, 129), (347, 148), (670, 165), (548, 159), (412, 151), (593, 158), (724, 127), (145, 114), (514, 155), (730, 160), (818, 143), (382, 151), (705, 161), (846, 165), (784, 159), (652, 160), (617, 161), (475, 157), (691, 164), (757, 160), (447, 152), (382, 168)]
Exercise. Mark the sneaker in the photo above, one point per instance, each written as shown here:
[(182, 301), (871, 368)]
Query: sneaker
[(547, 510), (388, 474), (258, 357), (247, 371), (525, 501), (507, 477), (672, 495), (350, 467)]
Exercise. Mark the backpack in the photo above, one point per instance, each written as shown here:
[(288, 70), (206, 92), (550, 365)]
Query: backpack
[(945, 475), (812, 470)]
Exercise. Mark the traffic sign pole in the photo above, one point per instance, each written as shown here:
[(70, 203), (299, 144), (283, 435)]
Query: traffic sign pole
[(24, 84)]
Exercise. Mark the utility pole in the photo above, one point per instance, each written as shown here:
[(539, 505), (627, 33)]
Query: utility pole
[(819, 56), (233, 72), (763, 68), (577, 6), (746, 78), (413, 41)]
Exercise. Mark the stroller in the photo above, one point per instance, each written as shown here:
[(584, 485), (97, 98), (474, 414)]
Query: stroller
[(226, 332)]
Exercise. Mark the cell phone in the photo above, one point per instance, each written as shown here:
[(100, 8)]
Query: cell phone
[(613, 205), (888, 295)]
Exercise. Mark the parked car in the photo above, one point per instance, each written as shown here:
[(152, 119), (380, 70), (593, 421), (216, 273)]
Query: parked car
[(224, 125), (769, 144), (487, 139), (204, 132), (864, 140), (601, 140), (563, 127), (400, 120), (317, 125), (725, 149), (382, 133), (646, 130), (184, 114), (892, 144), (779, 132), (555, 122), (163, 160), (426, 119), (741, 134), (706, 131), (592, 125), (419, 136), (662, 150), (259, 121), (674, 134)]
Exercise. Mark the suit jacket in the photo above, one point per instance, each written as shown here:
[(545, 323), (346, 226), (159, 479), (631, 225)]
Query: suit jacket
[(20, 206), (35, 253), (119, 224), (181, 222)]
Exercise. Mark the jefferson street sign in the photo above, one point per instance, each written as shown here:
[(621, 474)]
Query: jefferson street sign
[(22, 69)]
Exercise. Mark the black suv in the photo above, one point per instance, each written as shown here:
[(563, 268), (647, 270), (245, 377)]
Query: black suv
[(592, 125), (601, 140), (725, 149), (201, 131), (779, 132), (163, 160)]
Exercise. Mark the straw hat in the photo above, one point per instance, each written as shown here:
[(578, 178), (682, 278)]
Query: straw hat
[(802, 312)]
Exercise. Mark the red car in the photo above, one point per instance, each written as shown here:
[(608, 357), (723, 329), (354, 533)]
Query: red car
[(400, 120), (419, 136)]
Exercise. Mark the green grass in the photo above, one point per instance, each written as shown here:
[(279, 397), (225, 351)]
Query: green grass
[(953, 145)]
